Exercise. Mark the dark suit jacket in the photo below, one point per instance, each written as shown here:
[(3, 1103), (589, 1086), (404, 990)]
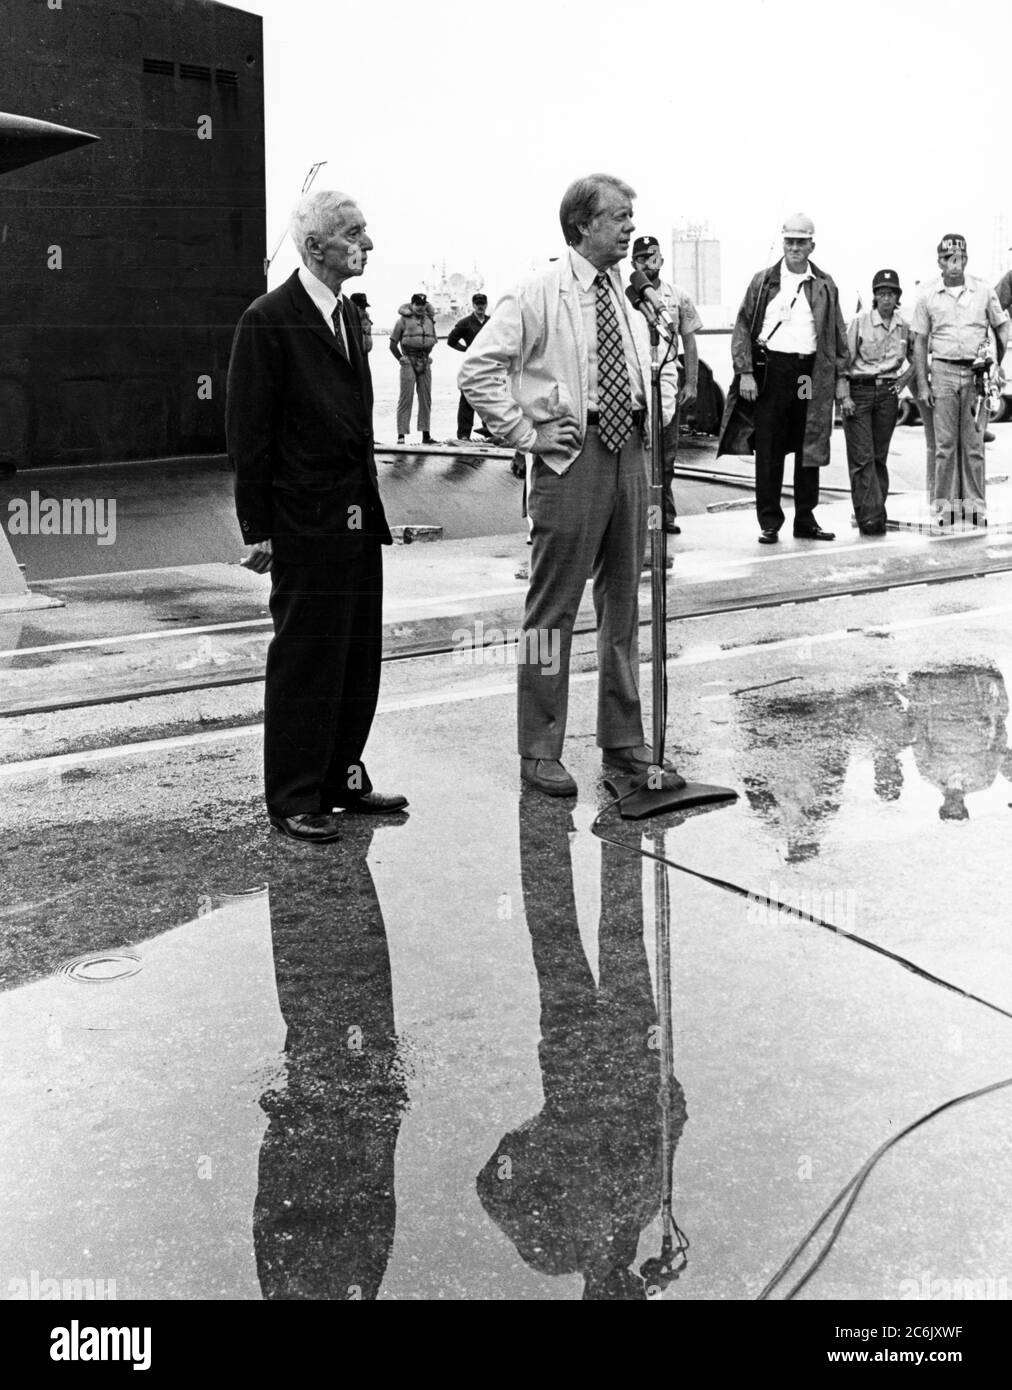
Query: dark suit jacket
[(298, 421)]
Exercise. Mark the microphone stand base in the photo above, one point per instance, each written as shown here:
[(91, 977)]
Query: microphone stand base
[(641, 801)]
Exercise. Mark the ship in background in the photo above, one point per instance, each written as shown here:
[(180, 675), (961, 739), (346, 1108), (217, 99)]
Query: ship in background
[(450, 296)]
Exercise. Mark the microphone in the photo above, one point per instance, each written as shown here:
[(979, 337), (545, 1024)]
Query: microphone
[(642, 295)]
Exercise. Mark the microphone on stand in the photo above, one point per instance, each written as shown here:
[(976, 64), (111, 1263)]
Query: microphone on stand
[(642, 295)]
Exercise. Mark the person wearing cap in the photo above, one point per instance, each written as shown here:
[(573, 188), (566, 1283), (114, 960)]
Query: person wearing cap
[(562, 371), (789, 349), (881, 344), (646, 256), (362, 305), (460, 338), (411, 342), (951, 321)]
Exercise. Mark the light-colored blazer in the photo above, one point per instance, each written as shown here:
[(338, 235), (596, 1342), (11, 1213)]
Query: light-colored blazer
[(529, 363)]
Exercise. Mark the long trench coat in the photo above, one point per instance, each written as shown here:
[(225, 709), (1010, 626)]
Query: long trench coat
[(737, 429)]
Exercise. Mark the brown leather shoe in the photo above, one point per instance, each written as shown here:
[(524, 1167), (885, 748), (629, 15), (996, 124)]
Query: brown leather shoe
[(375, 804), (548, 775), (318, 828)]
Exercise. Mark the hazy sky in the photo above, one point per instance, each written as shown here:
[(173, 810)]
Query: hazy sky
[(458, 125)]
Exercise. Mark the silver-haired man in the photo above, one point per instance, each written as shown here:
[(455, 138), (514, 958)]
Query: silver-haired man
[(298, 420)]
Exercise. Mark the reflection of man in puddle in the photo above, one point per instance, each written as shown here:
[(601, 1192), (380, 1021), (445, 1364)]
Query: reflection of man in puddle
[(575, 1186), (798, 750), (957, 720), (323, 1225)]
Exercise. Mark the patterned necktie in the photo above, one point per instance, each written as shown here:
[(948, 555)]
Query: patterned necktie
[(614, 393), (338, 323)]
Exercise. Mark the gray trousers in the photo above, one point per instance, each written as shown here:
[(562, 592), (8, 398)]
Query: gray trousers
[(409, 382), (591, 520), (958, 484)]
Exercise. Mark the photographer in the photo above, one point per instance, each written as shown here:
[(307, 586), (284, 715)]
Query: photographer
[(950, 321)]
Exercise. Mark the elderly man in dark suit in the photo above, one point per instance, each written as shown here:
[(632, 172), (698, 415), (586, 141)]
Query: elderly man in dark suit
[(299, 428)]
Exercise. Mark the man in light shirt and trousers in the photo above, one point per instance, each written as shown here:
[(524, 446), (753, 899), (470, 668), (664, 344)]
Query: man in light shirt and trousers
[(951, 320), (686, 323), (881, 345), (789, 349), (562, 371)]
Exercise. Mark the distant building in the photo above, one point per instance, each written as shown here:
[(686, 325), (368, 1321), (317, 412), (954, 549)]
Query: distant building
[(450, 296), (125, 265), (695, 261)]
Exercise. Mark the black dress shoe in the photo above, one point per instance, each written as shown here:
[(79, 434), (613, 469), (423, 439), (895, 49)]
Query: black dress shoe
[(671, 526), (319, 828), (376, 804), (816, 534), (768, 538)]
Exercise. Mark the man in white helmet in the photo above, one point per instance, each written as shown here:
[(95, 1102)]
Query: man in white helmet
[(790, 356)]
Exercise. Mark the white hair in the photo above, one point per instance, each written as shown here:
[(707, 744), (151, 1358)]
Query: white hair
[(317, 214)]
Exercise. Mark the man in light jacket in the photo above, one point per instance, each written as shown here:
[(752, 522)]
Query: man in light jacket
[(562, 371)]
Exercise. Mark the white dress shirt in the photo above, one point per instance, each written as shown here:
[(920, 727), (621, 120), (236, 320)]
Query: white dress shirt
[(792, 311), (586, 274), (326, 301)]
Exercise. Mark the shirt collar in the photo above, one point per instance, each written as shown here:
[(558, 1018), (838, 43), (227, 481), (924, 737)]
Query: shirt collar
[(785, 270), (322, 295), (880, 322), (585, 273)]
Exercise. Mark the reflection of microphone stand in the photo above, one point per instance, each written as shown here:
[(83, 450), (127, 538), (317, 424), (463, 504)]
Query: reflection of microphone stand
[(664, 1268), (640, 795)]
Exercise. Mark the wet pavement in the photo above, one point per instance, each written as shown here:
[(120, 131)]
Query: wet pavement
[(436, 1060)]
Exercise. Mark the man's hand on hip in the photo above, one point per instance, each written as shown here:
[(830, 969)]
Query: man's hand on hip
[(747, 388), (259, 557), (560, 436)]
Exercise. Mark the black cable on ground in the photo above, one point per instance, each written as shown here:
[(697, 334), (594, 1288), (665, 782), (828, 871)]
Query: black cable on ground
[(853, 1188)]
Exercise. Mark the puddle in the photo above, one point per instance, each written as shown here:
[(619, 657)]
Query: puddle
[(102, 969)]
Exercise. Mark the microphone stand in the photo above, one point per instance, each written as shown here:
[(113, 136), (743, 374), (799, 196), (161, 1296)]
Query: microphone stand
[(644, 795), (664, 1268)]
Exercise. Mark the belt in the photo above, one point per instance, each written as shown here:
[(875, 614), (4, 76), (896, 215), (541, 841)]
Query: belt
[(791, 356), (871, 380), (639, 418), (955, 361)]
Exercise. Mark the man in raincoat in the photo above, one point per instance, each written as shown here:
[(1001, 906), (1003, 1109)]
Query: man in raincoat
[(790, 356)]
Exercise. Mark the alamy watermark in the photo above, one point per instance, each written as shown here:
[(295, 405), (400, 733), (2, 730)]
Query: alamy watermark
[(36, 515), (837, 906), (941, 1289), (507, 646), (38, 1288)]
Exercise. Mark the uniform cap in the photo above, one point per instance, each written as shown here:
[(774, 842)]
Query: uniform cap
[(643, 245), (799, 224), (952, 241), (886, 280)]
